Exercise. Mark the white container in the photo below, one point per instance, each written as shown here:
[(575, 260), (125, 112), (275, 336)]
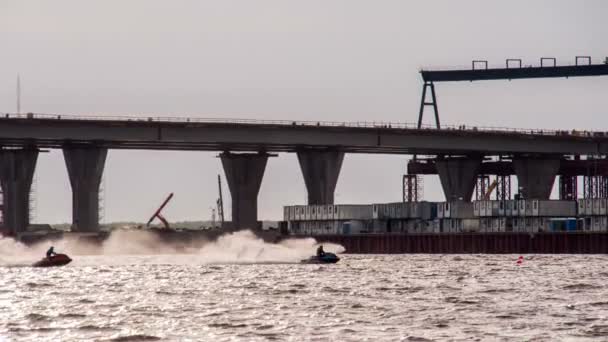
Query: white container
[(355, 212), (502, 227), (502, 210), (597, 222), (554, 208), (603, 204), (528, 208), (495, 208), (485, 225), (581, 207), (462, 210), (447, 210), (521, 208), (316, 212), (476, 206), (596, 206), (519, 224), (405, 210), (512, 207), (483, 209)]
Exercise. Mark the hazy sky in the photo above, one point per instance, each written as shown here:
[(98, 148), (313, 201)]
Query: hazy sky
[(277, 59)]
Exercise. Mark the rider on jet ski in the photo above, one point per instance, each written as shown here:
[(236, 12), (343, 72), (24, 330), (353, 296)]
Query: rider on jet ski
[(50, 252), (320, 251)]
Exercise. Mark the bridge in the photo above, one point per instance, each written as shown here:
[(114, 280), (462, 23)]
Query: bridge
[(245, 146)]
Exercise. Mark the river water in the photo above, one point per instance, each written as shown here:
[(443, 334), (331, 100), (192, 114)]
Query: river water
[(180, 297)]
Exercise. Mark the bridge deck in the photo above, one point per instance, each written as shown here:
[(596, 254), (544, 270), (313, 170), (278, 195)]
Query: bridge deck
[(52, 131)]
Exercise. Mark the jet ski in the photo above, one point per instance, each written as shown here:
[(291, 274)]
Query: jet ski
[(55, 260), (327, 258)]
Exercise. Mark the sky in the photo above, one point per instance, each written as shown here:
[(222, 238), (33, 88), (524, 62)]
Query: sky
[(328, 60)]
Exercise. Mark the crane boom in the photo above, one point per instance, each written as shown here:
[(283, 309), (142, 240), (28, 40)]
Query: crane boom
[(491, 188), (158, 215)]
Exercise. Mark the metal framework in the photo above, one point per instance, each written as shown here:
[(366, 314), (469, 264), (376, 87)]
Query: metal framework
[(412, 188), (503, 187), (513, 70), (424, 104), (595, 187), (481, 187)]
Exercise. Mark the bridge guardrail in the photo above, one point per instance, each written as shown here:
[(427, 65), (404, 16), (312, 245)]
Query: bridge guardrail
[(353, 124)]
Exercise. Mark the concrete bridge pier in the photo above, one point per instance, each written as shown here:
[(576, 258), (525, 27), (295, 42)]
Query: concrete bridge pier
[(85, 168), (457, 176), (536, 176), (16, 173), (244, 173), (321, 170)]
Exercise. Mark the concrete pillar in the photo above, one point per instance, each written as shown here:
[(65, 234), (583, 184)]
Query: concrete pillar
[(457, 176), (535, 176), (85, 168), (244, 173), (321, 170), (16, 174)]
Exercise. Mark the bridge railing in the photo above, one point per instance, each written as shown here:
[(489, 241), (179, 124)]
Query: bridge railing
[(352, 124)]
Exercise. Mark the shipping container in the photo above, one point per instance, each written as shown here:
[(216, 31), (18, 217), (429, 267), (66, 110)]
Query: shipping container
[(476, 206), (595, 206), (581, 207), (495, 211), (514, 208), (469, 225), (354, 212), (459, 209), (484, 209), (502, 208), (603, 203), (528, 212), (521, 208), (589, 206), (553, 208), (502, 224)]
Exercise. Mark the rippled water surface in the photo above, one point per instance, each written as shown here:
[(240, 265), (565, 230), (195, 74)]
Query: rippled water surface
[(374, 298)]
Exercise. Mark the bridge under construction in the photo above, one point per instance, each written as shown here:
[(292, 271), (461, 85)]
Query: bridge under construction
[(458, 154)]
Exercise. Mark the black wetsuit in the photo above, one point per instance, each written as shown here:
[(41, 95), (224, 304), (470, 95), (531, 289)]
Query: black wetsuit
[(50, 252), (320, 251)]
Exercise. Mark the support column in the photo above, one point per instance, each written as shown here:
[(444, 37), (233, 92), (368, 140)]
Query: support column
[(321, 170), (458, 176), (244, 173), (85, 168), (535, 176), (16, 174)]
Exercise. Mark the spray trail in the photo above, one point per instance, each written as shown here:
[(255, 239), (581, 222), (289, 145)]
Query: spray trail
[(231, 248)]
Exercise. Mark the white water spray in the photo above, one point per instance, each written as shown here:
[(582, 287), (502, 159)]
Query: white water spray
[(231, 248)]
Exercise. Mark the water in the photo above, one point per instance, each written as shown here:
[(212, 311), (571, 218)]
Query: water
[(256, 298)]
